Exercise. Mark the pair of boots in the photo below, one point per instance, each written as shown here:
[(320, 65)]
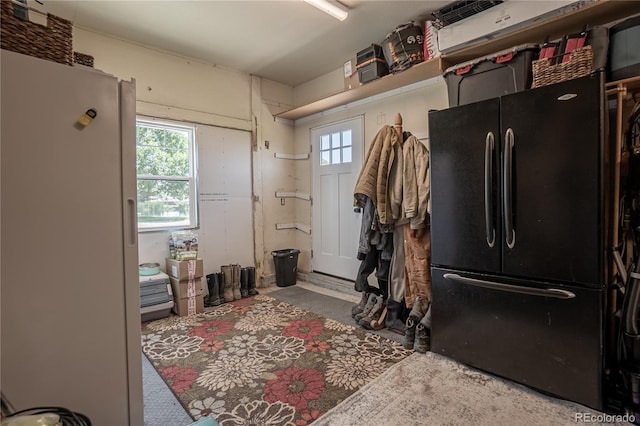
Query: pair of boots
[(233, 283), (370, 312), (417, 332)]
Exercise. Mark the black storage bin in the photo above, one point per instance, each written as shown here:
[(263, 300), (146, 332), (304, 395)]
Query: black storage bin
[(624, 55), (369, 53), (502, 73), (375, 69), (286, 263)]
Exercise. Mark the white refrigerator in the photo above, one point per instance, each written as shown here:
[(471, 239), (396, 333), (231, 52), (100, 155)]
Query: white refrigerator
[(70, 301)]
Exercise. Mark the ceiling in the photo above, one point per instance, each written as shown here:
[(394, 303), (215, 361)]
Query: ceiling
[(290, 42)]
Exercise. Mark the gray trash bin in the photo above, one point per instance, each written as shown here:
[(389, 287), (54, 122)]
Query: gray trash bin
[(286, 265)]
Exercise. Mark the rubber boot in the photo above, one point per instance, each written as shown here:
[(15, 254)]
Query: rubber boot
[(244, 282), (227, 270), (214, 290), (236, 282), (220, 276), (395, 320), (423, 334), (251, 270)]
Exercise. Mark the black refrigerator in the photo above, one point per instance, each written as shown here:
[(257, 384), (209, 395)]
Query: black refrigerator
[(519, 225)]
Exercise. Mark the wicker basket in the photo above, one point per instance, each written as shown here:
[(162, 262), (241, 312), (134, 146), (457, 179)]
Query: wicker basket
[(580, 63), (53, 42), (83, 59)]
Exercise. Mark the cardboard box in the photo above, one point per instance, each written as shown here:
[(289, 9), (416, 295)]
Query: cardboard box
[(184, 269), (188, 305), (186, 288), (351, 80)]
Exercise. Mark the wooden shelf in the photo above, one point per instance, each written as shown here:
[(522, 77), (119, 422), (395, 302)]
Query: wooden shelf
[(599, 13), (418, 72)]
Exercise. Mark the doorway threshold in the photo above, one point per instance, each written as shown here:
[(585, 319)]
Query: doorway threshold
[(329, 282)]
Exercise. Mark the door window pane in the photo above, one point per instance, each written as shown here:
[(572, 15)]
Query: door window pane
[(335, 156)]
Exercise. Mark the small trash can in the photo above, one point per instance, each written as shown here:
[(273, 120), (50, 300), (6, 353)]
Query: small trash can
[(286, 263)]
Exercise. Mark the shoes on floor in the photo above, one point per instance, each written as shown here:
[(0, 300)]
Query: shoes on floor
[(418, 311), (374, 314), (371, 301), (423, 334), (357, 309)]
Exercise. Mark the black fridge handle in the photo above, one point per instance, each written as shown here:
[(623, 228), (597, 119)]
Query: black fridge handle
[(488, 189), (532, 291), (510, 233)]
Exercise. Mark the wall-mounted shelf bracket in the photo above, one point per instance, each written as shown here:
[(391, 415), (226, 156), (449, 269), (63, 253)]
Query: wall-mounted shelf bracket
[(300, 227), (299, 195), (291, 156)]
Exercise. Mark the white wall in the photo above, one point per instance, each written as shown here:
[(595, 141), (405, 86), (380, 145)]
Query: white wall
[(412, 104), (179, 88)]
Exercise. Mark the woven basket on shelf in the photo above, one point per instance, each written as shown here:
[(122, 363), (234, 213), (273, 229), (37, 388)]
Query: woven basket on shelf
[(83, 59), (53, 42), (580, 63)]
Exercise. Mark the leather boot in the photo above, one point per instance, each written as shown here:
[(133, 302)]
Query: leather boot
[(251, 270), (236, 282), (418, 311), (375, 312), (371, 301), (423, 334), (227, 270), (244, 282), (355, 310), (214, 291)]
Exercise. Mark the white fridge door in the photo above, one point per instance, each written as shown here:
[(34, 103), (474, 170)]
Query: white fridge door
[(68, 338)]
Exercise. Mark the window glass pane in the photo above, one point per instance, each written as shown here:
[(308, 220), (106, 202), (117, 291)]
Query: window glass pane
[(163, 202), (325, 158), (162, 152), (335, 156), (346, 138), (324, 142), (346, 154), (335, 140)]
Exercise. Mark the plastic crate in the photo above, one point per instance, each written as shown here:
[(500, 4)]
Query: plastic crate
[(502, 73)]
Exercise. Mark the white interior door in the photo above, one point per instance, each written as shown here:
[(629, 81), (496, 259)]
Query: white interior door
[(337, 159)]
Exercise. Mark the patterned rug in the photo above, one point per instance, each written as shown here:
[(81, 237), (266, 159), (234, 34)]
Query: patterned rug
[(263, 361)]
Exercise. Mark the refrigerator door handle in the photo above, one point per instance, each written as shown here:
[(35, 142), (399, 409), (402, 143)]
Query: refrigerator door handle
[(488, 189), (532, 291), (510, 233)]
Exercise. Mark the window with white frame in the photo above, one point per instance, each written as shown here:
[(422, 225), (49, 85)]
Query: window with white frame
[(166, 172), (335, 148)]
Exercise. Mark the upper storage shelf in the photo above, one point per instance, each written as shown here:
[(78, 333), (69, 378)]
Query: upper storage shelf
[(599, 13)]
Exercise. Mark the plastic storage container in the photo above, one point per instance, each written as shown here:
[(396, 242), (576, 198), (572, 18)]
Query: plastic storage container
[(501, 73), (156, 296), (286, 263)]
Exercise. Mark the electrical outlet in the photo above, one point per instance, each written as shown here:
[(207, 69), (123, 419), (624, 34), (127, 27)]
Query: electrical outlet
[(282, 201)]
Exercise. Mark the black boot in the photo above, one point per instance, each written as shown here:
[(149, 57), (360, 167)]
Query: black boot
[(220, 277), (396, 317), (244, 282), (251, 274), (214, 290)]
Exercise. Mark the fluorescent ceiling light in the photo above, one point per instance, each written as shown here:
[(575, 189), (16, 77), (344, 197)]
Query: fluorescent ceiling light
[(331, 8)]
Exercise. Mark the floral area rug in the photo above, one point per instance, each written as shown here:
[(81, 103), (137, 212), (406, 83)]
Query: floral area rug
[(262, 361)]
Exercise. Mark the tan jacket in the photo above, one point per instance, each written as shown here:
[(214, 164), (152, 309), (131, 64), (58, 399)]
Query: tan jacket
[(409, 184), (374, 175)]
